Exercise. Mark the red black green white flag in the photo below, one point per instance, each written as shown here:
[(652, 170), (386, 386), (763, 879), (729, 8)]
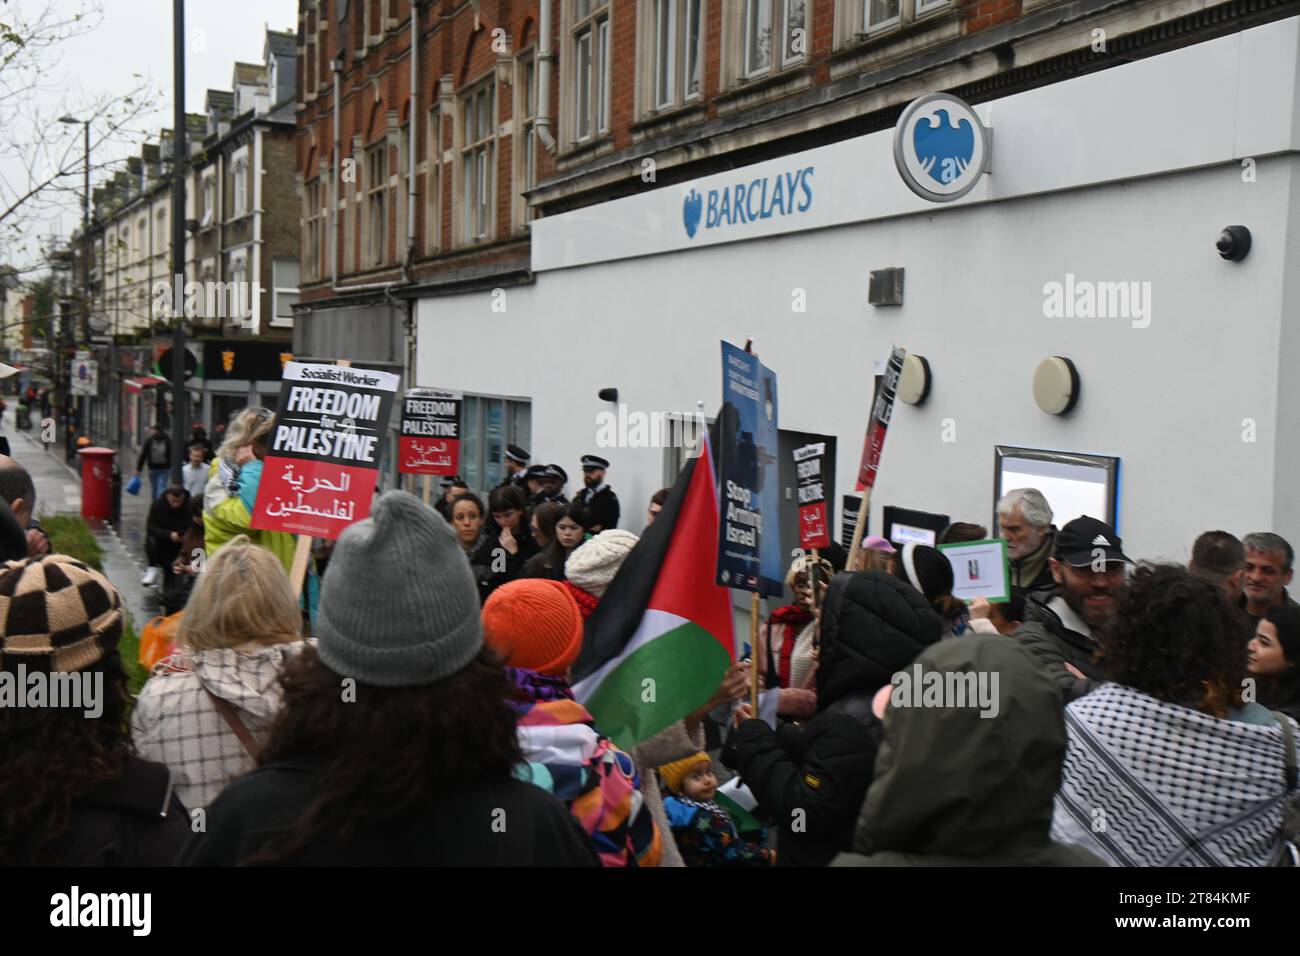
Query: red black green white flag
[(661, 640)]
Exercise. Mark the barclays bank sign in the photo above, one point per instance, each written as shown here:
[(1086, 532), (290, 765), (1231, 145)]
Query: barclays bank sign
[(784, 193)]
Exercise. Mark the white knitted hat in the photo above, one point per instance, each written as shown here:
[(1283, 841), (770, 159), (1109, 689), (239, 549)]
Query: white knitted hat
[(592, 565)]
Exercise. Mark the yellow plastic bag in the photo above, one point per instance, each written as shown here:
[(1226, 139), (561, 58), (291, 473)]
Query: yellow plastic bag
[(158, 639)]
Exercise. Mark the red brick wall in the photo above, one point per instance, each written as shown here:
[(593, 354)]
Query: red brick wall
[(454, 48)]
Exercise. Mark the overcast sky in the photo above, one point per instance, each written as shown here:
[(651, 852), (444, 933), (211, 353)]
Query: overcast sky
[(135, 36)]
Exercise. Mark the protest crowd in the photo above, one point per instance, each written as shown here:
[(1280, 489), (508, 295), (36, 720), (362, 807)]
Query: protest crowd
[(461, 682)]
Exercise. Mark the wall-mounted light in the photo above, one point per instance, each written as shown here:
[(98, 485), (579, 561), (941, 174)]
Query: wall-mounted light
[(608, 395), (914, 383), (1056, 385), (1233, 243)]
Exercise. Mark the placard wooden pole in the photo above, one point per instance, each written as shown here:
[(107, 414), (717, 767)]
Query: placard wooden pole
[(754, 603), (428, 487)]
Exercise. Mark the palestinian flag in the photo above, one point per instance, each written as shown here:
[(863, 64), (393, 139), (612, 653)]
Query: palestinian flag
[(660, 641)]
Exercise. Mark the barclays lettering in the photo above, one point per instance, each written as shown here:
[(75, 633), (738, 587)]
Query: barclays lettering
[(782, 193)]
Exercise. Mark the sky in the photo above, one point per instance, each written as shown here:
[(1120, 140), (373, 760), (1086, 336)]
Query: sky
[(135, 36)]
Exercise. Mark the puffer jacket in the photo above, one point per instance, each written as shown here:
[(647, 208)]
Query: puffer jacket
[(1056, 644), (970, 785), (566, 755), (812, 780), (176, 723)]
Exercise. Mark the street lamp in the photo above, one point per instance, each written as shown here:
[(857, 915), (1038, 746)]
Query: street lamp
[(85, 291)]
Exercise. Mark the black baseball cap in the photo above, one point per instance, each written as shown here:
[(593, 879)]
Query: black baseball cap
[(1078, 543)]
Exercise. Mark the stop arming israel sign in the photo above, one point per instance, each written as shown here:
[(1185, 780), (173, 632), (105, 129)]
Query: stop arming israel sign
[(880, 416), (429, 442), (813, 532), (319, 473)]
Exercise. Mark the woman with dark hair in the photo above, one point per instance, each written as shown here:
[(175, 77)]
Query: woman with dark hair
[(927, 570), (1274, 659), (396, 745), (468, 520), (508, 544), (1169, 732), (73, 793), (570, 525), (543, 525)]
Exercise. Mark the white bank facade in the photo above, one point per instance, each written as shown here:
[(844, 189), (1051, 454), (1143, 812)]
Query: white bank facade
[(1127, 176)]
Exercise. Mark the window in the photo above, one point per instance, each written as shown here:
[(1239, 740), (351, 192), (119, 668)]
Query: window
[(879, 13), (209, 197), (678, 51), (284, 291), (160, 246), (478, 138), (142, 238), (314, 218), (590, 35), (488, 425), (239, 307), (526, 111), (870, 16), (239, 181), (376, 204), (765, 19), (433, 183)]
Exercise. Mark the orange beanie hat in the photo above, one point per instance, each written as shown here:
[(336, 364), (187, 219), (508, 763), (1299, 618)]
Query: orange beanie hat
[(535, 624)]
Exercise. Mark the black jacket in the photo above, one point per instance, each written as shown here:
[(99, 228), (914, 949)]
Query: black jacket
[(602, 507), (812, 780), (164, 519), (135, 820), (1055, 645), (156, 452), (491, 570), (504, 823)]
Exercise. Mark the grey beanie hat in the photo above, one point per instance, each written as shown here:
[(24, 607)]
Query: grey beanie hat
[(399, 607)]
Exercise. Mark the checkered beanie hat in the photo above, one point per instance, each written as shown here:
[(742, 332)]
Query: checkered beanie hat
[(56, 614)]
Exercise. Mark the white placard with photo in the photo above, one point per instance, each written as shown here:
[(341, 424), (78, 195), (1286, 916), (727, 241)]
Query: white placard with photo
[(979, 569)]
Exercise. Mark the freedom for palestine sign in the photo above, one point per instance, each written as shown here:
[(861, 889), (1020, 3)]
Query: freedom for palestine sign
[(322, 462)]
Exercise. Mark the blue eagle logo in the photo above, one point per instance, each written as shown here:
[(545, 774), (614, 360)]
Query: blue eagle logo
[(692, 209), (943, 148)]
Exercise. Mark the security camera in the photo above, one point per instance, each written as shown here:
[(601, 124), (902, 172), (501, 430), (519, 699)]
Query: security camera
[(1233, 243)]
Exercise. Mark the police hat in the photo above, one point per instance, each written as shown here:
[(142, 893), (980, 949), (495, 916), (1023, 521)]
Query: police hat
[(555, 471), (515, 453), (593, 461), (535, 473)]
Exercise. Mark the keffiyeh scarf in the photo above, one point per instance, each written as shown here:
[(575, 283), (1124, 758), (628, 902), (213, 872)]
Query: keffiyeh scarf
[(1146, 783)]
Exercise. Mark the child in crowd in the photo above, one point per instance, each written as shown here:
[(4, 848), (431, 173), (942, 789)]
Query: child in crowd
[(1001, 618), (705, 833)]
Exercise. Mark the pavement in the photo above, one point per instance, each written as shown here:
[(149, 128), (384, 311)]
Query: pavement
[(58, 491)]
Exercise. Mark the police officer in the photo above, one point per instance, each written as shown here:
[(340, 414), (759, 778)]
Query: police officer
[(533, 484), (554, 479), (598, 497), (516, 467)]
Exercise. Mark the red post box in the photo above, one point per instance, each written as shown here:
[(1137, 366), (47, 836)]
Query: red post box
[(97, 482)]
